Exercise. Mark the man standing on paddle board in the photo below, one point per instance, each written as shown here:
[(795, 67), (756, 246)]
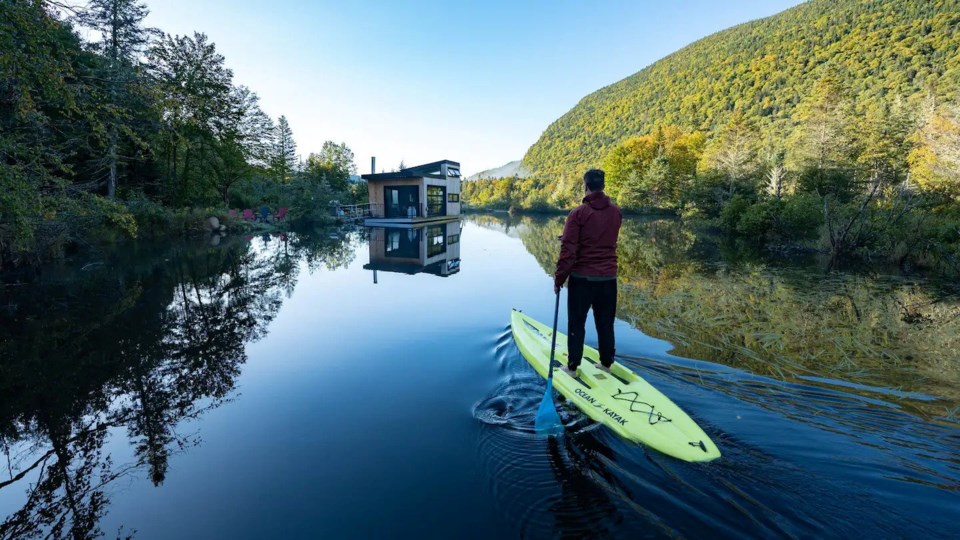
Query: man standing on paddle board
[(588, 263)]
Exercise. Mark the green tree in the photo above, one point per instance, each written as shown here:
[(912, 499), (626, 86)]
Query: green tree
[(333, 164), (626, 161), (879, 201), (660, 186), (824, 145), (31, 160), (824, 136), (567, 191), (240, 143), (627, 164), (632, 194), (283, 160), (935, 157), (194, 88), (734, 152), (123, 41), (78, 116), (48, 119), (885, 141)]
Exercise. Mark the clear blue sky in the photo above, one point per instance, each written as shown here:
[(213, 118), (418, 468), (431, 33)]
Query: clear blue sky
[(418, 81)]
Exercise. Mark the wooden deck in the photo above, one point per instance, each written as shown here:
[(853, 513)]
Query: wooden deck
[(407, 222), (371, 214)]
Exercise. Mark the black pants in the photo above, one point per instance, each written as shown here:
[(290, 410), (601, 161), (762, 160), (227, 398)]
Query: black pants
[(582, 295)]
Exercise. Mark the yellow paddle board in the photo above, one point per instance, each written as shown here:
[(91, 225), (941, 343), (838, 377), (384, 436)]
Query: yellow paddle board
[(620, 399)]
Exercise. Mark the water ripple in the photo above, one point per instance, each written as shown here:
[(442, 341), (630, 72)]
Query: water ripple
[(810, 459)]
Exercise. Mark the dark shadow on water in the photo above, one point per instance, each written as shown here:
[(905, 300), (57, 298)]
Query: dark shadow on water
[(547, 487), (134, 347)]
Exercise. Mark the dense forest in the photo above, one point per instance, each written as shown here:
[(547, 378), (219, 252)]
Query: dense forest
[(766, 69), (133, 131), (834, 125)]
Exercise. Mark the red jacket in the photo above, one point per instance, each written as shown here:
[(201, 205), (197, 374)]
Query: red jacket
[(590, 239)]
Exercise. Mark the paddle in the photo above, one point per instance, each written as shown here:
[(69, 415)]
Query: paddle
[(548, 421)]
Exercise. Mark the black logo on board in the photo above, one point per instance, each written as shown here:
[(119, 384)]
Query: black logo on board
[(637, 406)]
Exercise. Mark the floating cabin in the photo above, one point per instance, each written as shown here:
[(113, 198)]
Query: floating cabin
[(431, 248), (418, 194)]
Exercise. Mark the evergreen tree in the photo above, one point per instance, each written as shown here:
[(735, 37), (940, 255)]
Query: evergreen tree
[(123, 40), (734, 151), (284, 155), (823, 146), (885, 141), (632, 195), (824, 137), (659, 186), (935, 156)]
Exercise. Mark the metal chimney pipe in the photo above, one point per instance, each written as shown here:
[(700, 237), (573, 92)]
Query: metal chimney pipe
[(373, 164)]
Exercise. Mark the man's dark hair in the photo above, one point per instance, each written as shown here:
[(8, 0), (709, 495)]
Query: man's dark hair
[(594, 179)]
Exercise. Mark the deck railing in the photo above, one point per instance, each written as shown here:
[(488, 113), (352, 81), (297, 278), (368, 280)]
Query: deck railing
[(354, 211), (381, 211)]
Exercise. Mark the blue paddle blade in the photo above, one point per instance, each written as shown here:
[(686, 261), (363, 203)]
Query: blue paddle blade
[(548, 421)]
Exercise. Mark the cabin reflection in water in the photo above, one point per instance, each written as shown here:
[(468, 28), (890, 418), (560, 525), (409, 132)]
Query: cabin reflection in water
[(432, 249)]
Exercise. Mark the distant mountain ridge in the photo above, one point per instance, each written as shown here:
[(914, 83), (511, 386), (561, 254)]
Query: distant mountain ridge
[(881, 48), (514, 168)]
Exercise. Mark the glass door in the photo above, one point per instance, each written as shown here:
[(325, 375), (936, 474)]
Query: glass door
[(401, 201), (402, 243)]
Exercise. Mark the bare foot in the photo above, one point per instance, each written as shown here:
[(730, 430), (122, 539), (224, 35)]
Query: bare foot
[(571, 372)]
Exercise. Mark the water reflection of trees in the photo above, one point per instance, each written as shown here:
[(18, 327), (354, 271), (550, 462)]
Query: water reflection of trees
[(137, 346), (783, 319)]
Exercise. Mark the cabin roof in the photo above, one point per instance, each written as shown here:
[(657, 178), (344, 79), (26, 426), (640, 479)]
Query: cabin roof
[(427, 170)]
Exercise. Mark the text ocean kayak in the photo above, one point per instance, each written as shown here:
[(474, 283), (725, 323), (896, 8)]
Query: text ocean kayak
[(621, 400)]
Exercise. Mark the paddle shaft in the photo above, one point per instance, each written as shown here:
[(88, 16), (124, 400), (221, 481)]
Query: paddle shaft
[(553, 344)]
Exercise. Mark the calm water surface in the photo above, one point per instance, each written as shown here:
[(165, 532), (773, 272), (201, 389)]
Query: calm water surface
[(361, 383)]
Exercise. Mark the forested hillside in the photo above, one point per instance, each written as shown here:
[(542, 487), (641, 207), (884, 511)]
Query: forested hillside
[(834, 126), (766, 68)]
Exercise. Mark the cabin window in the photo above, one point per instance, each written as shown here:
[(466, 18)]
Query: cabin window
[(453, 239), (435, 241), (453, 172), (453, 197), (435, 200)]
